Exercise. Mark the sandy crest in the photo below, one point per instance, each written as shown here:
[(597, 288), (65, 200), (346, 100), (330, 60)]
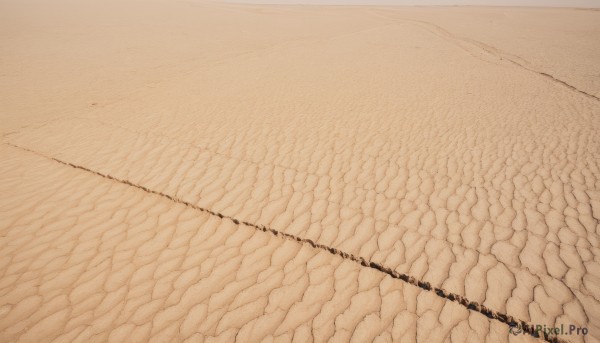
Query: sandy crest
[(209, 172)]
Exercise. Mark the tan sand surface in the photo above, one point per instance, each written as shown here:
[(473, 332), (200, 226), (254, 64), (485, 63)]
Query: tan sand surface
[(214, 172)]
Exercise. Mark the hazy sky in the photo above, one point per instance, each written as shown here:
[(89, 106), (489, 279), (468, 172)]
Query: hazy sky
[(552, 3)]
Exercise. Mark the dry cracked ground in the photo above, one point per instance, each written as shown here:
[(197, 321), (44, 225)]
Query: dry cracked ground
[(199, 172)]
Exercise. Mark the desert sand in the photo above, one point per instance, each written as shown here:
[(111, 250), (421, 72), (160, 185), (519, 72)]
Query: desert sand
[(186, 171)]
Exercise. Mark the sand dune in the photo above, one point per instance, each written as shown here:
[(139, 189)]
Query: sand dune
[(189, 171)]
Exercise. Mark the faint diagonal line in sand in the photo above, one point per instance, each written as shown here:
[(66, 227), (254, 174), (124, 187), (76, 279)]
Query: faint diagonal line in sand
[(470, 305), (445, 34), (298, 170)]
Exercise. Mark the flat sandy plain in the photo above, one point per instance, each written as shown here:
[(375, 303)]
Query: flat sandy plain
[(183, 171)]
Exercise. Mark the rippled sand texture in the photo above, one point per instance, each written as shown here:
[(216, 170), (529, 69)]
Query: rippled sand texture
[(186, 171)]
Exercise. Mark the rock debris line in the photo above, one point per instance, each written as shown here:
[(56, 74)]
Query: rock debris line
[(470, 305)]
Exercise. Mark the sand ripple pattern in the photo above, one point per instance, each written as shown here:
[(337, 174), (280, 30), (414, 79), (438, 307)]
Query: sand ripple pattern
[(369, 224), (109, 262)]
